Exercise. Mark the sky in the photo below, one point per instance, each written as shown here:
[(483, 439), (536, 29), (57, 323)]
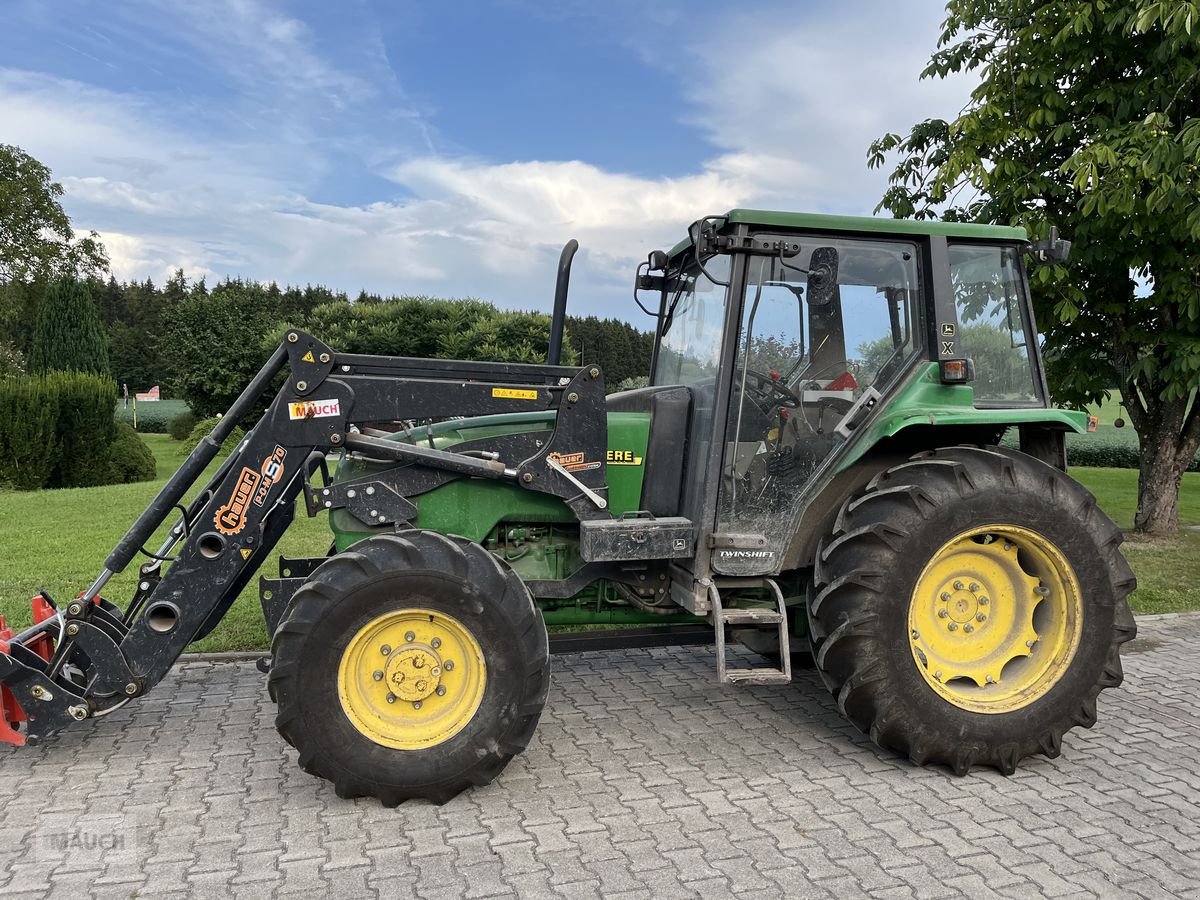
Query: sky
[(451, 149)]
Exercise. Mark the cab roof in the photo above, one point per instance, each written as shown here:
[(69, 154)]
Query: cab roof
[(865, 224)]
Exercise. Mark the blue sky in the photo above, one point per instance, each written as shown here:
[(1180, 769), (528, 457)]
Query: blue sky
[(452, 148)]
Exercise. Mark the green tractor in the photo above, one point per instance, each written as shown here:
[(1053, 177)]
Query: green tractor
[(814, 465)]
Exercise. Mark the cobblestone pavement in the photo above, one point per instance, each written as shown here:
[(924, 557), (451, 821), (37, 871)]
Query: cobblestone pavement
[(645, 779)]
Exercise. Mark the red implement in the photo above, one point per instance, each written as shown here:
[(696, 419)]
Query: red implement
[(11, 713)]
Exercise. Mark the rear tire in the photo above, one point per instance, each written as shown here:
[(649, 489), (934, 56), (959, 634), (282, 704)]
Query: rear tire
[(889, 612), (458, 603)]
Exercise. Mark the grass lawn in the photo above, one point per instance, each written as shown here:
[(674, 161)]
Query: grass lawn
[(59, 540)]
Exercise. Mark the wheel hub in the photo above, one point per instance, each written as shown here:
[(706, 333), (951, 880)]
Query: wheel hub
[(994, 618), (414, 672), (412, 678)]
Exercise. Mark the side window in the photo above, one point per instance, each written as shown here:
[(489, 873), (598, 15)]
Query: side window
[(991, 327)]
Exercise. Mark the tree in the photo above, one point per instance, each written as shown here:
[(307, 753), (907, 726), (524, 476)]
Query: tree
[(621, 350), (67, 335), (215, 341), (36, 238), (1086, 117)]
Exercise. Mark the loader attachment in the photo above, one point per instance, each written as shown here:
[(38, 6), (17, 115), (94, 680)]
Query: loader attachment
[(90, 656)]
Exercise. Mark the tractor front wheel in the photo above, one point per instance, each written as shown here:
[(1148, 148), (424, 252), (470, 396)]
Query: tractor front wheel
[(969, 607), (411, 666)]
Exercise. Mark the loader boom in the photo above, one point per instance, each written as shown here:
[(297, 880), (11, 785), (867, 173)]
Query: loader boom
[(103, 656)]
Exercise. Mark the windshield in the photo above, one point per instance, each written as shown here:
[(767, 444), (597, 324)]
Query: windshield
[(690, 347)]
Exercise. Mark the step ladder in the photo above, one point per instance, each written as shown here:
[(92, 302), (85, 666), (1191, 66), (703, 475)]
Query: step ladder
[(757, 618)]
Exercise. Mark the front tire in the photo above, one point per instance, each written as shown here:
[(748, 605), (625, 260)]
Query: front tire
[(413, 665), (969, 608)]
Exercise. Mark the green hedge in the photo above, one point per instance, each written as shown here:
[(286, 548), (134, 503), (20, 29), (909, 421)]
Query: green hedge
[(55, 430), (153, 417), (1107, 447), (205, 427), (28, 432)]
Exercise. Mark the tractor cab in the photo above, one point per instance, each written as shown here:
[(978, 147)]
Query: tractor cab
[(792, 333)]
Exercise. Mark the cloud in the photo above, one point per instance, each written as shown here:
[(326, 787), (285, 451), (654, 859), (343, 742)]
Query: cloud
[(787, 110)]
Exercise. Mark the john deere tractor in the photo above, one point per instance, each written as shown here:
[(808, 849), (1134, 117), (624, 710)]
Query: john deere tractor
[(816, 463)]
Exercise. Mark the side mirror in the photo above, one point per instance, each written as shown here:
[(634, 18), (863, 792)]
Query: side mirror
[(656, 261), (822, 276), (1053, 249)]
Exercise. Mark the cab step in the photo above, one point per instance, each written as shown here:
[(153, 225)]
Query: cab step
[(756, 617)]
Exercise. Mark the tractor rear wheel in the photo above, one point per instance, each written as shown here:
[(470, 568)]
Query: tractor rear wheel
[(413, 665), (969, 607)]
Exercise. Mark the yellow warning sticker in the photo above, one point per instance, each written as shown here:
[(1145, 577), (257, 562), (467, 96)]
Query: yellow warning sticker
[(514, 394), (246, 554), (308, 357)]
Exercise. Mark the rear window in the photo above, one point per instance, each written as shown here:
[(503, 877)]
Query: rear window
[(991, 326)]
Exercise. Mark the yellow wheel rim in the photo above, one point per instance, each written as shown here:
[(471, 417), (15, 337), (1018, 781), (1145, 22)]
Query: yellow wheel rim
[(411, 679), (995, 619)]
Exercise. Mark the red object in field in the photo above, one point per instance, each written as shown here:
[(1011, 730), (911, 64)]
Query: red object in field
[(10, 711), (844, 382)]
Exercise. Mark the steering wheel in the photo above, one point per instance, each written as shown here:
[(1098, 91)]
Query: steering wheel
[(776, 389)]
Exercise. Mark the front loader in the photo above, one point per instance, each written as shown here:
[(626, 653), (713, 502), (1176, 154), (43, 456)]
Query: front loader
[(816, 464)]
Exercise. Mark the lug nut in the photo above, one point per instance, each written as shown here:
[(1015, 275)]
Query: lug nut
[(973, 587), (981, 618), (448, 665), (938, 674), (1042, 591), (378, 676), (968, 628), (943, 614), (416, 704), (953, 626), (984, 601), (441, 690), (1008, 545), (945, 595), (916, 634), (435, 643), (958, 585), (386, 650), (409, 636), (1029, 644), (391, 698), (990, 680)]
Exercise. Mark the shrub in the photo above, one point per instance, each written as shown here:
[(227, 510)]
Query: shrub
[(205, 427), (181, 425), (129, 458), (85, 428), (1108, 447), (28, 432)]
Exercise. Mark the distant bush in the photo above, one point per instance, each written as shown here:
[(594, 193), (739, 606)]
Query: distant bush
[(1108, 447), (205, 427), (153, 417), (129, 458), (55, 430), (181, 426)]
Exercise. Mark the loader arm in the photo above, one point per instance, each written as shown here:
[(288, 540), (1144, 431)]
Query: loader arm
[(89, 657)]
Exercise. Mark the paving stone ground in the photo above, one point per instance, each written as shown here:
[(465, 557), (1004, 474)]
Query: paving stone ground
[(645, 779)]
